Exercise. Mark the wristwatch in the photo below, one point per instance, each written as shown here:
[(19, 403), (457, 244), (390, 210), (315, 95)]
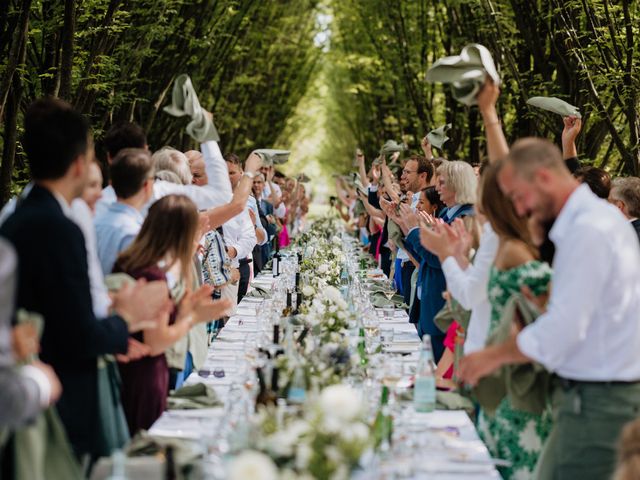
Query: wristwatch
[(251, 175)]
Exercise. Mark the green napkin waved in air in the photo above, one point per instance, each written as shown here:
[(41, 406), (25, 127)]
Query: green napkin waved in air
[(192, 397), (184, 101), (271, 156), (391, 146), (438, 136), (555, 105), (466, 73)]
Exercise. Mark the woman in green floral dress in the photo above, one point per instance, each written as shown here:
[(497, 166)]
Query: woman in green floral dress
[(510, 434)]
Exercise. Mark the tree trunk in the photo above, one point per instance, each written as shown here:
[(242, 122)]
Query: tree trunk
[(17, 41)]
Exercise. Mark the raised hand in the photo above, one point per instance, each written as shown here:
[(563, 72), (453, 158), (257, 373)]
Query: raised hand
[(409, 217), (572, 127), (426, 147), (253, 163), (198, 307), (25, 341), (463, 239), (488, 97), (135, 351), (375, 173), (143, 305)]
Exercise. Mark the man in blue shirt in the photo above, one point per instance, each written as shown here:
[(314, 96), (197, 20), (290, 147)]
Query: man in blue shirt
[(118, 225)]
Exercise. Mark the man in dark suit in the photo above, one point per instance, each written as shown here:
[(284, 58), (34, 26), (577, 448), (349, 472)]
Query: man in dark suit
[(266, 217), (625, 194), (52, 270)]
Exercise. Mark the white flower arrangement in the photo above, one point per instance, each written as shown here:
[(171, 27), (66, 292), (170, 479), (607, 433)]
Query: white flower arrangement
[(327, 442), (253, 465)]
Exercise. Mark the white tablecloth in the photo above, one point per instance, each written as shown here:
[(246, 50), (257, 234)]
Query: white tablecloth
[(455, 451)]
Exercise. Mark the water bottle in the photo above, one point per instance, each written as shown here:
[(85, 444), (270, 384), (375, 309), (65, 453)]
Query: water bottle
[(298, 389), (118, 471), (424, 390)]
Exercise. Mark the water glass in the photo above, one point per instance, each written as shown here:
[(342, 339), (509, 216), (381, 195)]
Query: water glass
[(388, 312), (386, 335)]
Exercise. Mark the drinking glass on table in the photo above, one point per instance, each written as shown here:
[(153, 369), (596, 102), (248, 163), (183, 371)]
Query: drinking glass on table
[(372, 332), (389, 288)]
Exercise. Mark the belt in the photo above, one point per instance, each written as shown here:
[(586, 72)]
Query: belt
[(245, 261), (568, 384)]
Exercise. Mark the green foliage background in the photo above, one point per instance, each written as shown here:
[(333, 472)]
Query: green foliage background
[(321, 76)]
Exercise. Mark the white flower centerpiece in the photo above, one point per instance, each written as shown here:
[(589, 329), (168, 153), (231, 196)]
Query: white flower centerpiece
[(326, 442)]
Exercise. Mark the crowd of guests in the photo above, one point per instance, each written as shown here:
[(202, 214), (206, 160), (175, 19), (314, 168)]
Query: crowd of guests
[(529, 225), (145, 269)]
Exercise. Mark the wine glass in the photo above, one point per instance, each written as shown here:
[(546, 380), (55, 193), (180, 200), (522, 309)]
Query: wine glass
[(389, 288)]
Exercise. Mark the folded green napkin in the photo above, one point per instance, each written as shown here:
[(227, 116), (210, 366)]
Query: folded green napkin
[(555, 105), (438, 136), (453, 401), (258, 292), (115, 281), (450, 312), (193, 397), (272, 156), (184, 101), (186, 453), (466, 73), (528, 384), (391, 146), (379, 300)]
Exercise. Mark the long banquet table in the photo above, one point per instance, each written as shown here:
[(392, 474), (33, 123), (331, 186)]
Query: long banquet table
[(452, 448)]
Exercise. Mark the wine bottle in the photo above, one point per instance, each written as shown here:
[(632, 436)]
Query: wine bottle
[(275, 262), (362, 345), (170, 472), (424, 389), (265, 396), (383, 424), (288, 310), (299, 299)]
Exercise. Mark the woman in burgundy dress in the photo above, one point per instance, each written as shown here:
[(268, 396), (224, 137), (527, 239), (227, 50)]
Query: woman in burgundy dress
[(164, 248)]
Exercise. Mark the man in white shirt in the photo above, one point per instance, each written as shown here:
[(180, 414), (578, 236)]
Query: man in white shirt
[(416, 176), (589, 335)]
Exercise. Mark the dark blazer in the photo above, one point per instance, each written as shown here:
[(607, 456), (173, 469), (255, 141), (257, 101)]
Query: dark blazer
[(53, 281), (636, 224), (431, 277), (265, 208)]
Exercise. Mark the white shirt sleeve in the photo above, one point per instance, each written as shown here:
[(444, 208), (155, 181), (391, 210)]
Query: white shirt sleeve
[(469, 287), (251, 203), (246, 236), (216, 169), (205, 197), (578, 282)]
